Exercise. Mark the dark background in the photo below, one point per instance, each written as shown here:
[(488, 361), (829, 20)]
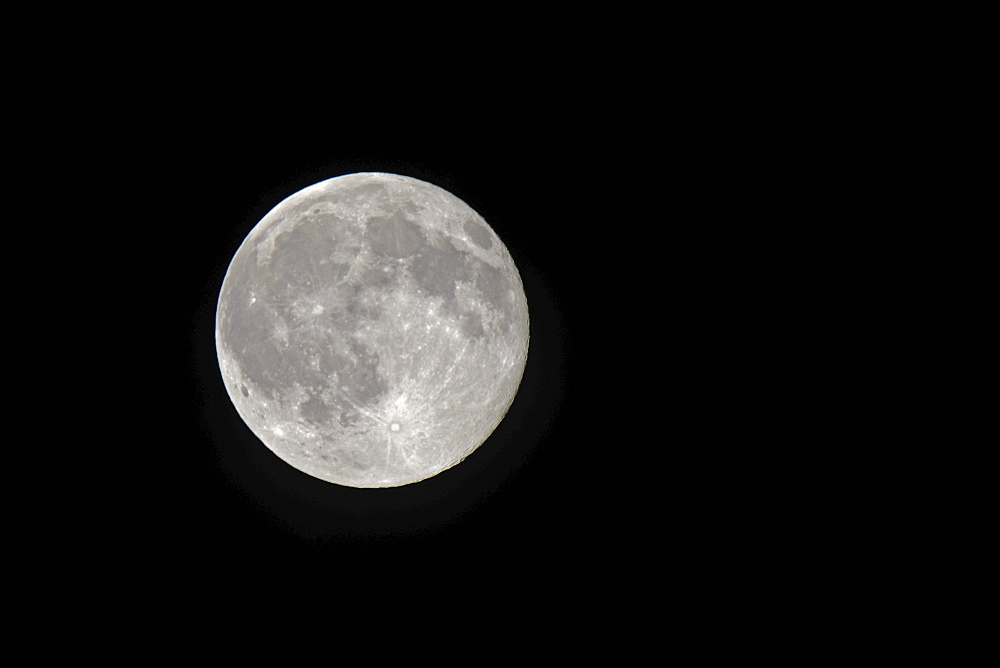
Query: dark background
[(636, 464), (621, 435), (665, 200), (543, 493)]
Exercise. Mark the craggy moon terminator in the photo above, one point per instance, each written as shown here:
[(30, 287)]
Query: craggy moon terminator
[(372, 330)]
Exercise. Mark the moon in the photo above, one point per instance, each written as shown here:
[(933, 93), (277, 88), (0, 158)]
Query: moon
[(372, 330)]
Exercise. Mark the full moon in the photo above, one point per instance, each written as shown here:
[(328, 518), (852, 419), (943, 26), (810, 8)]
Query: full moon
[(372, 330)]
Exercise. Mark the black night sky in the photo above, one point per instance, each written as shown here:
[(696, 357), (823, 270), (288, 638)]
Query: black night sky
[(535, 485)]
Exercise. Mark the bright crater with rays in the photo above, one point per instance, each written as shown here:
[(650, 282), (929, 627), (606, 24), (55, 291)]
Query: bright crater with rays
[(372, 330)]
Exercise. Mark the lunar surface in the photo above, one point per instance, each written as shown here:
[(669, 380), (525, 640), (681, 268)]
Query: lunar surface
[(372, 330)]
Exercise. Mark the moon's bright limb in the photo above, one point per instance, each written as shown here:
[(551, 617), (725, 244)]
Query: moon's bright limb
[(372, 330)]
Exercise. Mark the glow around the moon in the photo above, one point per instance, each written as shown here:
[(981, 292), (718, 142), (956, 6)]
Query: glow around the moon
[(372, 330)]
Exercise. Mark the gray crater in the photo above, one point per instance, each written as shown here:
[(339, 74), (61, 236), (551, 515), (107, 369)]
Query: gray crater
[(479, 234), (495, 287), (316, 410), (438, 271), (393, 236)]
